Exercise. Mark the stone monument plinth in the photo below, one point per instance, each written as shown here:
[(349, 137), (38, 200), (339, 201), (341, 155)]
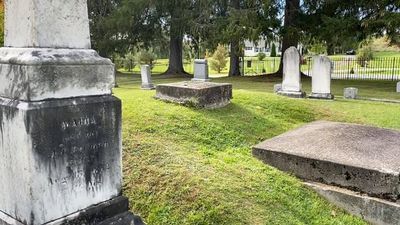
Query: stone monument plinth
[(60, 145)]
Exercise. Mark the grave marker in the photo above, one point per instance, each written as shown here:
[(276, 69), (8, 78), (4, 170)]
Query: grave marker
[(146, 78), (60, 144), (321, 78), (201, 70)]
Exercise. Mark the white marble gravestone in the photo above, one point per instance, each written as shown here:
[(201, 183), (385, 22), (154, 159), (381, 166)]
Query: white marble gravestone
[(60, 142), (291, 85), (398, 87), (350, 93), (201, 70), (146, 78), (321, 78)]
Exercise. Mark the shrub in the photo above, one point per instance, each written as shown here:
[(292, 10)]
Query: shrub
[(129, 61), (218, 60), (146, 57), (273, 50), (261, 56), (364, 55)]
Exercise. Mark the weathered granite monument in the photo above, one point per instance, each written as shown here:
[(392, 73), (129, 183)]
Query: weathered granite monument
[(60, 144), (350, 93), (146, 78), (321, 78), (398, 87), (291, 85), (201, 70)]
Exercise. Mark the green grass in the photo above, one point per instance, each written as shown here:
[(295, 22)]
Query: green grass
[(387, 54), (187, 166)]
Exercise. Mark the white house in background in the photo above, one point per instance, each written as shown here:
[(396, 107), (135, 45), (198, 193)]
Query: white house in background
[(251, 49)]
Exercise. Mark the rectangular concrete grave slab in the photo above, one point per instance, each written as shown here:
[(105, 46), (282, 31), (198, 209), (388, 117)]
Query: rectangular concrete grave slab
[(356, 157), (201, 70), (69, 151), (291, 85), (145, 72), (321, 78), (197, 94), (374, 210), (350, 93)]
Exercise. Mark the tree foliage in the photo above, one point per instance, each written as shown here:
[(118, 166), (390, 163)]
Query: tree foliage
[(218, 61)]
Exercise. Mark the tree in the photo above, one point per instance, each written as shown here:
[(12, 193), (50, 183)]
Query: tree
[(261, 56), (218, 61), (273, 50), (1, 22)]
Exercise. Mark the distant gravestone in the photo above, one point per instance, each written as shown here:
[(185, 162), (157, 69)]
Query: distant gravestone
[(60, 128), (321, 78), (146, 78), (398, 87), (350, 93), (291, 85), (201, 70), (277, 88)]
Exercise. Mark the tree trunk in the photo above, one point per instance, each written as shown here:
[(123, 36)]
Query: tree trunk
[(234, 69), (175, 51), (290, 33)]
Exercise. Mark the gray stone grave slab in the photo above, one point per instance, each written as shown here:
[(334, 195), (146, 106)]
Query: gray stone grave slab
[(60, 144), (146, 78), (321, 78), (196, 94), (291, 85), (201, 70), (350, 93), (360, 158)]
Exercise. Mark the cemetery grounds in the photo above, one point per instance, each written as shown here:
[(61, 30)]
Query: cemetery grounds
[(190, 166)]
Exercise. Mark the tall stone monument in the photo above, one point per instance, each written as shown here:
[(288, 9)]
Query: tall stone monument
[(60, 143), (201, 70), (291, 85), (321, 78), (145, 72)]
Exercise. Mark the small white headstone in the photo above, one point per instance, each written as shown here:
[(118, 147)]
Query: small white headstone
[(201, 70), (291, 85), (398, 87), (277, 88), (146, 78), (321, 78), (350, 93)]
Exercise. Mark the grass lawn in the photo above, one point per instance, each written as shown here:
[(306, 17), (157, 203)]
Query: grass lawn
[(187, 166)]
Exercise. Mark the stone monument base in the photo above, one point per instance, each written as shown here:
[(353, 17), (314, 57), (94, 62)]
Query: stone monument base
[(322, 96), (197, 94), (201, 80), (112, 212), (292, 94)]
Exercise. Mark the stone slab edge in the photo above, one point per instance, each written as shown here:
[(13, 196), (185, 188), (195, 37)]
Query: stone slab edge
[(292, 94), (112, 212), (374, 210)]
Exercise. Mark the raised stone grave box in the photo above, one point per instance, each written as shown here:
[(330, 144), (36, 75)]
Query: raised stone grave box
[(351, 93), (359, 163), (196, 94)]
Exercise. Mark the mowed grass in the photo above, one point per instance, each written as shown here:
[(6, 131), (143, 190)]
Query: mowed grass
[(190, 166)]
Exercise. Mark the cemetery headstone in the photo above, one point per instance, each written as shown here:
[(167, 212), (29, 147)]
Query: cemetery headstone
[(277, 88), (60, 144), (291, 85), (350, 93), (201, 70), (321, 78), (398, 87), (146, 78)]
